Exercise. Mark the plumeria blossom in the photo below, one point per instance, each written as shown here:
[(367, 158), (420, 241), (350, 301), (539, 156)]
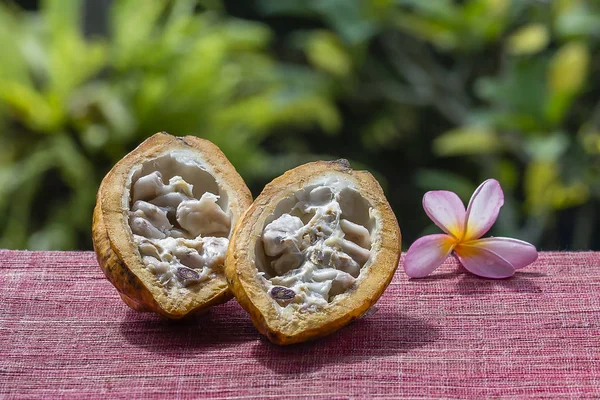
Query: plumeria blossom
[(494, 257)]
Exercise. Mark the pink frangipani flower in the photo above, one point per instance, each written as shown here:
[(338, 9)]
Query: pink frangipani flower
[(494, 257)]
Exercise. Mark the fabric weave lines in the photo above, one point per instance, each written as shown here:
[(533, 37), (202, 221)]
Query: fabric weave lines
[(65, 333)]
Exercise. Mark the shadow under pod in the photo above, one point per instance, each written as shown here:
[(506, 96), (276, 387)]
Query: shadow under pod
[(221, 325), (364, 339)]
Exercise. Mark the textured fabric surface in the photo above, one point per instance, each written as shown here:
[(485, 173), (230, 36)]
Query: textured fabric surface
[(64, 332)]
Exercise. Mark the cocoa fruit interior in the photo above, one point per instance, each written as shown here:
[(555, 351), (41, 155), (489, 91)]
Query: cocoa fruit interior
[(180, 220), (315, 244)]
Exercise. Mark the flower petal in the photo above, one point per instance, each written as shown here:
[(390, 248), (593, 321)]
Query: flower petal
[(446, 210), (426, 254), (517, 252), (483, 209), (483, 262)]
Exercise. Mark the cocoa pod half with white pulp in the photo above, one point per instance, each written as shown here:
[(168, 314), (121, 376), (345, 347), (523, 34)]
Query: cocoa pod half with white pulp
[(162, 222), (315, 251)]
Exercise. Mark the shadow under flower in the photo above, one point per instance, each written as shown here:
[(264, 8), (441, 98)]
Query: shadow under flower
[(530, 274), (446, 275), (472, 285)]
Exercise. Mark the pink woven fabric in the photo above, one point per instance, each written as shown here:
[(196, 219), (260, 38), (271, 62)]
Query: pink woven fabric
[(64, 332)]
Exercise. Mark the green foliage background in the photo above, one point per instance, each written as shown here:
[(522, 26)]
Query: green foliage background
[(427, 95)]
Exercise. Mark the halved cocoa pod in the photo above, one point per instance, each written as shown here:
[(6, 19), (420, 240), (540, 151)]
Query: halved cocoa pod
[(315, 251), (162, 222)]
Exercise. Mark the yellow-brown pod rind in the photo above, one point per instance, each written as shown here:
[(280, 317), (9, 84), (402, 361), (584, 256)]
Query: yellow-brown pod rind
[(251, 289), (112, 236)]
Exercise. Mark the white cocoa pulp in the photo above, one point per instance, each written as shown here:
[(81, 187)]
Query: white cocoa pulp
[(179, 220), (315, 245)]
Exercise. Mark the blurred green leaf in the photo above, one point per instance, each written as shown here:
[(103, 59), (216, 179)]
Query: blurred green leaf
[(325, 51), (434, 31), (94, 137), (245, 36), (132, 25), (38, 112), (576, 19), (383, 132), (350, 18), (76, 169), (567, 73), (71, 60), (520, 89), (507, 174), (544, 190), (16, 228), (590, 142), (290, 7), (548, 148), (62, 16), (529, 39), (18, 185), (52, 237), (486, 18), (430, 179), (540, 185), (568, 68), (12, 64), (467, 140), (117, 113)]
